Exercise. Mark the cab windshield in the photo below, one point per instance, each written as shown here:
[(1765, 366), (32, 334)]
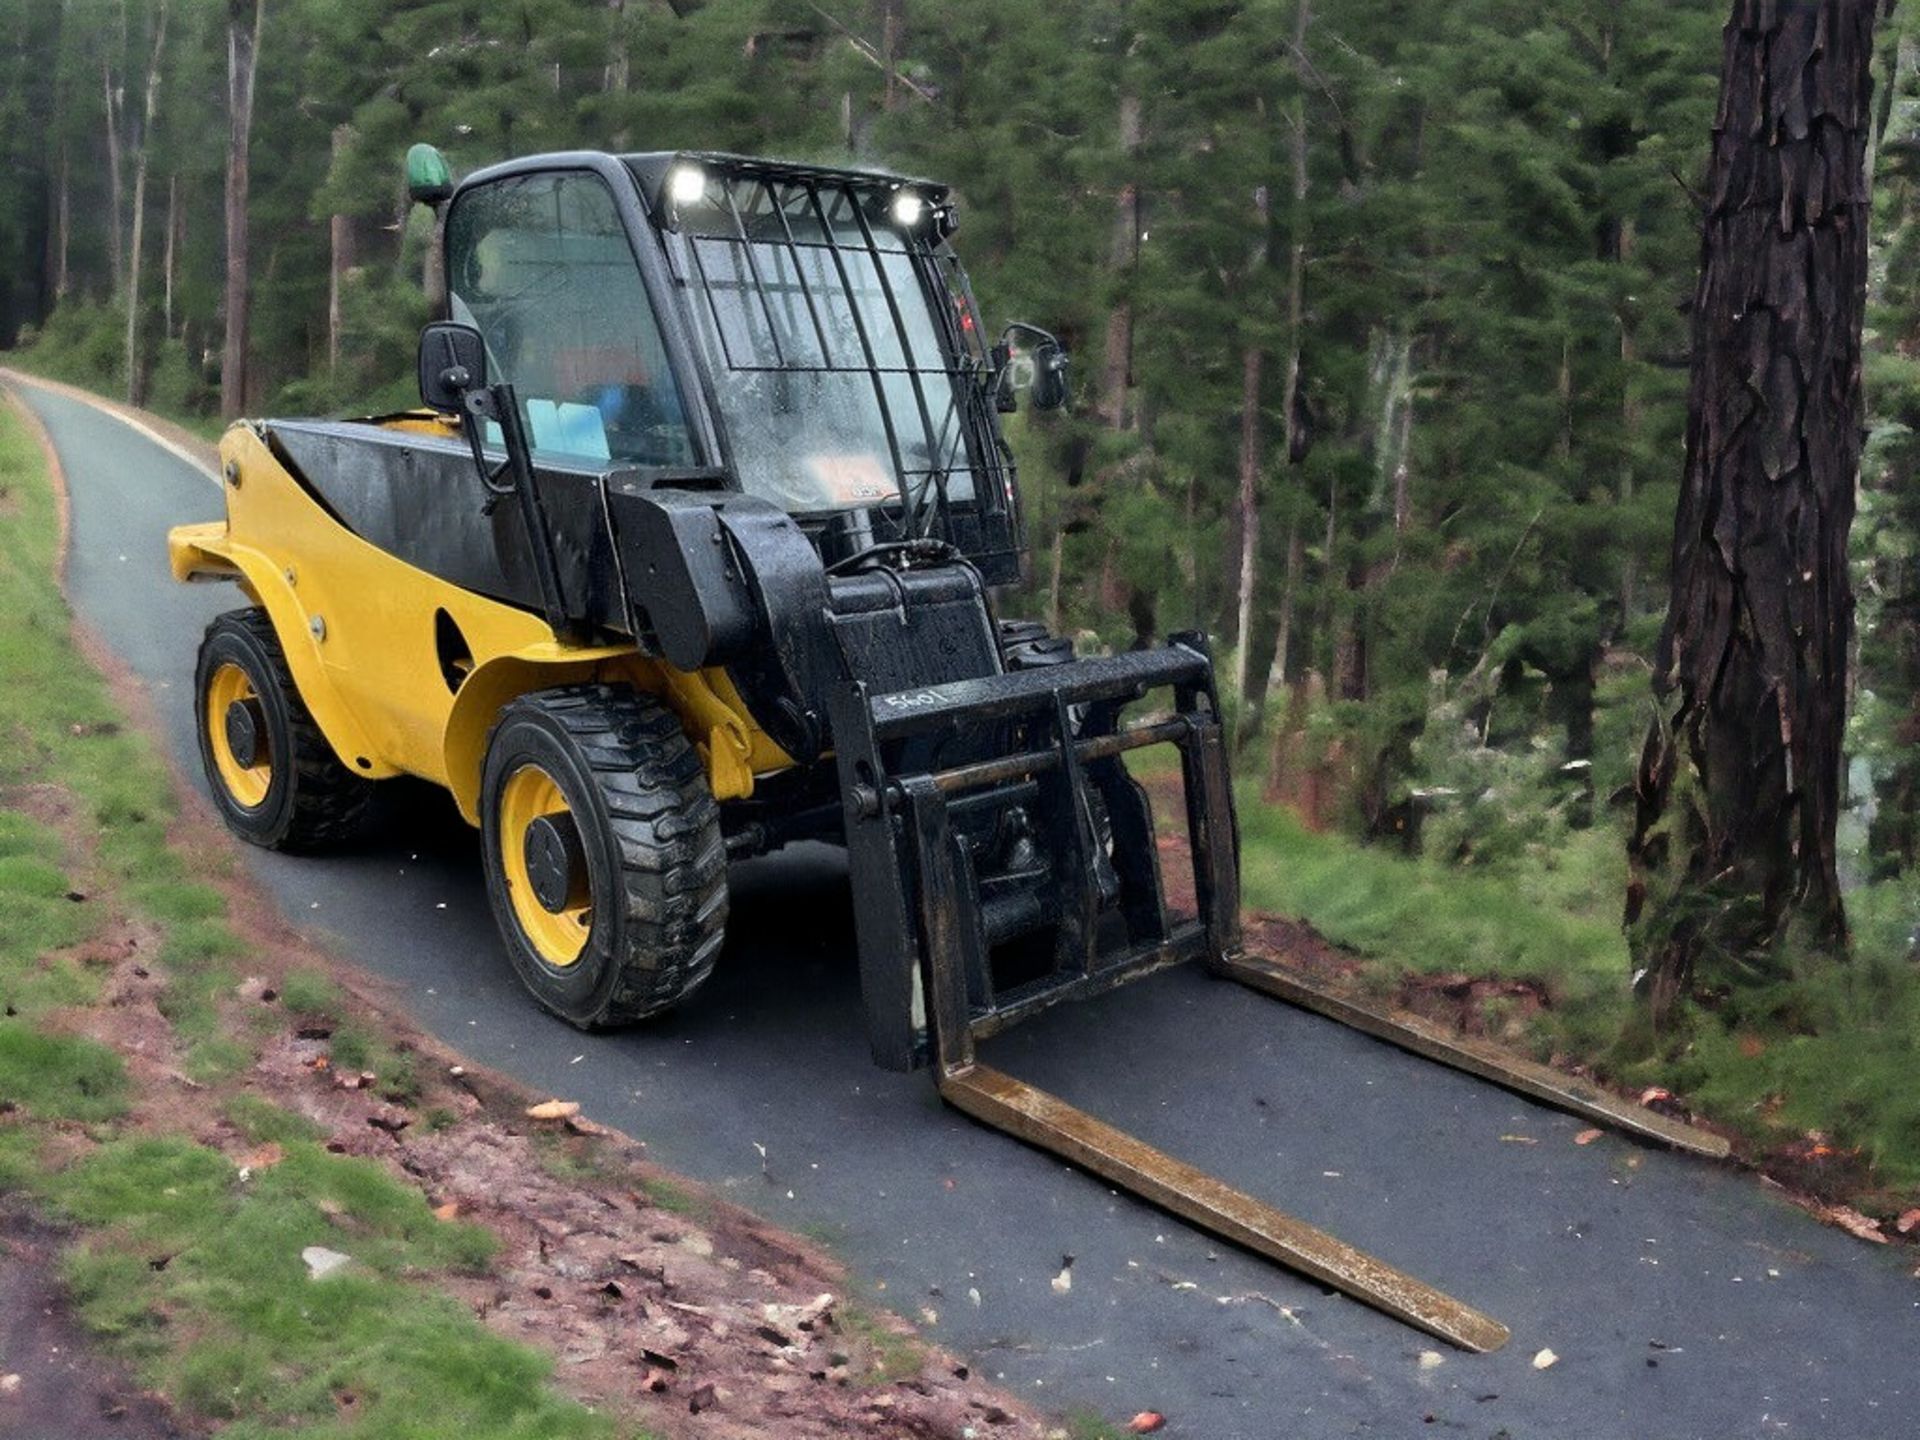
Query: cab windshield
[(832, 374)]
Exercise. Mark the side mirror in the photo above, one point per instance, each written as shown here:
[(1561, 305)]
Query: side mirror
[(1050, 388), (453, 362)]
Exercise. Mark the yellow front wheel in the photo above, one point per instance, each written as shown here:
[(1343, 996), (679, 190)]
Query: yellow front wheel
[(236, 733), (545, 866), (274, 777), (606, 868)]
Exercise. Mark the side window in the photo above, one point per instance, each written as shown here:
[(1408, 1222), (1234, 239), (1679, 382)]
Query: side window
[(541, 264)]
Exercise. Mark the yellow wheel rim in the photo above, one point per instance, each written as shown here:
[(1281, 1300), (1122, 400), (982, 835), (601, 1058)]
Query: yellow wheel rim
[(556, 937), (247, 784)]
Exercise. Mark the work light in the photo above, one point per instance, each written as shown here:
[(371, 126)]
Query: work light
[(909, 209), (687, 184)]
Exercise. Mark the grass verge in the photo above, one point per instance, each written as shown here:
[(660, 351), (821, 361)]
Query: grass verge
[(187, 1263), (1812, 1074)]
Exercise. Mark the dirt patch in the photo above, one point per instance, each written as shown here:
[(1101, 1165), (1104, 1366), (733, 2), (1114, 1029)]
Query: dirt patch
[(659, 1301), (63, 1387)]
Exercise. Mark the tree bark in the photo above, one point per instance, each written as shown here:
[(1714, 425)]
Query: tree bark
[(142, 154), (1629, 432), (1252, 364), (340, 257), (892, 33), (116, 229), (63, 225), (1123, 254), (619, 73), (1738, 787), (171, 258), (245, 19), (1251, 704)]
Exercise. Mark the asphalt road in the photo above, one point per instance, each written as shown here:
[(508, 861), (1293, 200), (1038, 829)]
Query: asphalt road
[(1681, 1298)]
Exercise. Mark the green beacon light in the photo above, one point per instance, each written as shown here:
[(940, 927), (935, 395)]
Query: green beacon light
[(429, 181)]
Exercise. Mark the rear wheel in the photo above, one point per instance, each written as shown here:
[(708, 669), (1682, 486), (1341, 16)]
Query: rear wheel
[(606, 868), (274, 777)]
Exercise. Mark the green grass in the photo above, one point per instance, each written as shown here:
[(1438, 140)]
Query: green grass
[(191, 1272), (1559, 924), (1834, 1047), (311, 994), (674, 1199), (174, 1232), (892, 1356), (59, 1077), (261, 1121)]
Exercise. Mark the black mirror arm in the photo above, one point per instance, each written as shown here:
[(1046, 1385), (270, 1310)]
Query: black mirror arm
[(499, 404), (480, 408)]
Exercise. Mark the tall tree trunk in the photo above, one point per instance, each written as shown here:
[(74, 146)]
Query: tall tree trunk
[(1123, 255), (63, 229), (340, 257), (1296, 312), (1253, 361), (892, 35), (1738, 787), (1289, 591), (142, 155), (1252, 364), (619, 72), (171, 258), (116, 197), (1629, 432), (245, 19)]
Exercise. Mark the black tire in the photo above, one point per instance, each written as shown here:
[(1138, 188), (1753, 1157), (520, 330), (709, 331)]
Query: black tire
[(648, 832), (312, 801)]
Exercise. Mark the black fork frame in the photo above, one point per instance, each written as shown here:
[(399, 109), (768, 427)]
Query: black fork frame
[(924, 921)]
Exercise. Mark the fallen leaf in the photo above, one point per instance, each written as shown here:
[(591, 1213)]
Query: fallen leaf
[(1653, 1093), (1146, 1422), (1545, 1359), (1431, 1360), (446, 1211), (1063, 1282), (554, 1110), (265, 1158), (1908, 1219), (1854, 1223), (1587, 1137)]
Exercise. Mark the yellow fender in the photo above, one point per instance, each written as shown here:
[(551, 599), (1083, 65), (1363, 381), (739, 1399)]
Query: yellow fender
[(207, 552), (359, 630)]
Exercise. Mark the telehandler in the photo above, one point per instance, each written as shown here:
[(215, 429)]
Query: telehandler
[(692, 554)]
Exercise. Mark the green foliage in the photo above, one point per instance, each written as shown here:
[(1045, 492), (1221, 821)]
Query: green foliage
[(1553, 918)]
